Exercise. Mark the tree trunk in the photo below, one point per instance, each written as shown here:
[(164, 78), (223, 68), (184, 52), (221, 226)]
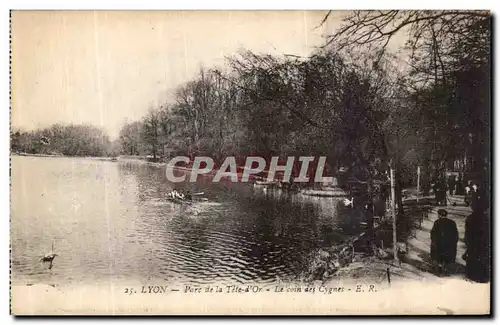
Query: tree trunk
[(394, 216), (399, 193), (418, 182), (369, 212)]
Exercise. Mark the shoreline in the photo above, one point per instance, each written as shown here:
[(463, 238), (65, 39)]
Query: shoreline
[(42, 155)]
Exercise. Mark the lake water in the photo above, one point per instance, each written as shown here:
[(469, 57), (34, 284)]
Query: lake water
[(110, 221)]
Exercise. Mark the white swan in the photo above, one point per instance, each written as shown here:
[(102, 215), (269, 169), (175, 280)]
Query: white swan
[(49, 257), (348, 202)]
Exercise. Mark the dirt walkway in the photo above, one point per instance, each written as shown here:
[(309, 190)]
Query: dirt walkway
[(416, 264), (419, 244)]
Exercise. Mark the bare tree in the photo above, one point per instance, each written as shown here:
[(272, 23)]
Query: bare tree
[(151, 131)]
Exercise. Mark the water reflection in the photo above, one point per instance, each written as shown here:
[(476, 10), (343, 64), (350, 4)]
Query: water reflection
[(124, 228)]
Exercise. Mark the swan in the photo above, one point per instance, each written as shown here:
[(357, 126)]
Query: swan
[(49, 257), (348, 202)]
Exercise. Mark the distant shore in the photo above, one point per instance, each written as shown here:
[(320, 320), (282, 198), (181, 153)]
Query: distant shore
[(104, 158)]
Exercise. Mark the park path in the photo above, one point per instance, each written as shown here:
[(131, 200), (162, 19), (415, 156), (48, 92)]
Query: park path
[(419, 245), (416, 264)]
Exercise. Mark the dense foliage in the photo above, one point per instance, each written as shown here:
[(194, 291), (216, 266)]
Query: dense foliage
[(362, 111), (69, 140)]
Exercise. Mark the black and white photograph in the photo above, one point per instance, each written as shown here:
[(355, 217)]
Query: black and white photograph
[(330, 162)]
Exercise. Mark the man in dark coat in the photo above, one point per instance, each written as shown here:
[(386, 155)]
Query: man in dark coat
[(451, 184), (440, 193), (459, 188), (444, 238), (477, 240)]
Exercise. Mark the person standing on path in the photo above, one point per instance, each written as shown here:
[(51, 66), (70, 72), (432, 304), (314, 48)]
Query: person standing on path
[(451, 184), (459, 188), (444, 239), (477, 241), (440, 192)]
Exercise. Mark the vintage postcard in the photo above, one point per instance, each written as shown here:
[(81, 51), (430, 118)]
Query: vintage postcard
[(250, 162)]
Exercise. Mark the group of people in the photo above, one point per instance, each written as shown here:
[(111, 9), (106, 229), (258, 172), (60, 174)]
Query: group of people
[(441, 187), (444, 239), (454, 186), (180, 196)]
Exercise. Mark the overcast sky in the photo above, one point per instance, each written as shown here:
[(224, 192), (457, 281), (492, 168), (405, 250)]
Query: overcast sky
[(106, 68)]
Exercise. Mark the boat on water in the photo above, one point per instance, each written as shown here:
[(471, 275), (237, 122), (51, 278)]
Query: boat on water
[(179, 201), (184, 198), (277, 185), (334, 192), (264, 183)]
